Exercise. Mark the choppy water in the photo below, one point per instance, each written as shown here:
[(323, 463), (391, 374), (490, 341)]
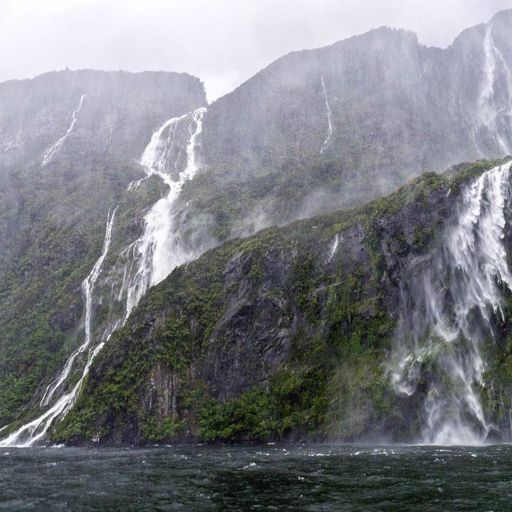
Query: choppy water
[(271, 477)]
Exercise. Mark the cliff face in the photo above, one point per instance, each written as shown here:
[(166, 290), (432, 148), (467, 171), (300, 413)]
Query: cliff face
[(275, 334), (335, 127), (286, 333), (69, 146), (115, 112)]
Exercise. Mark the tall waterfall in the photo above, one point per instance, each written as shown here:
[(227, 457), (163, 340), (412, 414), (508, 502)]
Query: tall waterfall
[(494, 104), (450, 301), (159, 250), (32, 432), (147, 261), (329, 116)]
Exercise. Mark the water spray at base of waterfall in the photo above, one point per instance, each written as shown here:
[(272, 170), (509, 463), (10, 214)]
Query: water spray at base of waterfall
[(450, 300)]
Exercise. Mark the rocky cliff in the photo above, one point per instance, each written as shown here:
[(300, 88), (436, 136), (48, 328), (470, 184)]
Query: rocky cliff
[(284, 334), (109, 181), (335, 127), (69, 146)]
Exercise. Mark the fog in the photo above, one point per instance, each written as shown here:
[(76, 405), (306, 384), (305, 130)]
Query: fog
[(223, 42)]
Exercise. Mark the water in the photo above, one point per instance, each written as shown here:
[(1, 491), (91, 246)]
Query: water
[(494, 105), (334, 247), (170, 155), (34, 431), (262, 478), (329, 116), (450, 300), (52, 151), (159, 250)]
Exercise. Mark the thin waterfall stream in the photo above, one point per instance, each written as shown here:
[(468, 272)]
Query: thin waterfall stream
[(31, 433)]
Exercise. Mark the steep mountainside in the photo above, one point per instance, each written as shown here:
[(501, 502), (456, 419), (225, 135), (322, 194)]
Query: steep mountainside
[(114, 114), (110, 181), (337, 126), (298, 331), (69, 146)]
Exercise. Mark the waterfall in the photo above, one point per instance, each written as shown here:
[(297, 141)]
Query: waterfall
[(32, 432), (334, 247), (450, 301), (159, 250), (50, 153), (149, 260), (494, 105), (329, 116)]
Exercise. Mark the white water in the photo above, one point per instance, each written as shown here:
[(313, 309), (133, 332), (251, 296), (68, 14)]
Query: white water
[(329, 117), (52, 151), (494, 106), (32, 432), (449, 302), (151, 258), (159, 250), (334, 246)]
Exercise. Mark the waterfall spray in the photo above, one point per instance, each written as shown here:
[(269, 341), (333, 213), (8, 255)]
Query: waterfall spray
[(159, 250), (450, 299)]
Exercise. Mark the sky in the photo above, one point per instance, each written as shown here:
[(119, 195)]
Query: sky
[(223, 42)]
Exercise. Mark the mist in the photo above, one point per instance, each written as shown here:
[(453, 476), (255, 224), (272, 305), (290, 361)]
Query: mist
[(223, 42)]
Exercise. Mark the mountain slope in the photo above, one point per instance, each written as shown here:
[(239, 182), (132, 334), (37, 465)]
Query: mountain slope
[(334, 127), (288, 333), (109, 181), (70, 143)]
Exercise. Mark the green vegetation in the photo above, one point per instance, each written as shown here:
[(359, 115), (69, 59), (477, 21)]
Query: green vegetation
[(325, 377), (53, 247), (337, 317)]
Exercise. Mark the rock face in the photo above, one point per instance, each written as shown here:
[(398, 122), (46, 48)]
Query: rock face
[(282, 334), (115, 113), (69, 146), (334, 127), (269, 333)]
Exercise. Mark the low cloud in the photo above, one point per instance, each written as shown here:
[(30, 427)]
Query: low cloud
[(222, 42)]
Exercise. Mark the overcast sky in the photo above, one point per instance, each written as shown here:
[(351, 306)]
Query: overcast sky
[(223, 42)]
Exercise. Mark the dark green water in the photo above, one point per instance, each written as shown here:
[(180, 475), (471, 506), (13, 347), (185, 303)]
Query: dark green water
[(271, 477)]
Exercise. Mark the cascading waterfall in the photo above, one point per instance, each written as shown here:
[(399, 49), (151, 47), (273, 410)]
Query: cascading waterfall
[(450, 301), (494, 106), (52, 151), (334, 247), (32, 432), (159, 250), (151, 258)]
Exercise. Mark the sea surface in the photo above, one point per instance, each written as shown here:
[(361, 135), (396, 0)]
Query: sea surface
[(261, 478)]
